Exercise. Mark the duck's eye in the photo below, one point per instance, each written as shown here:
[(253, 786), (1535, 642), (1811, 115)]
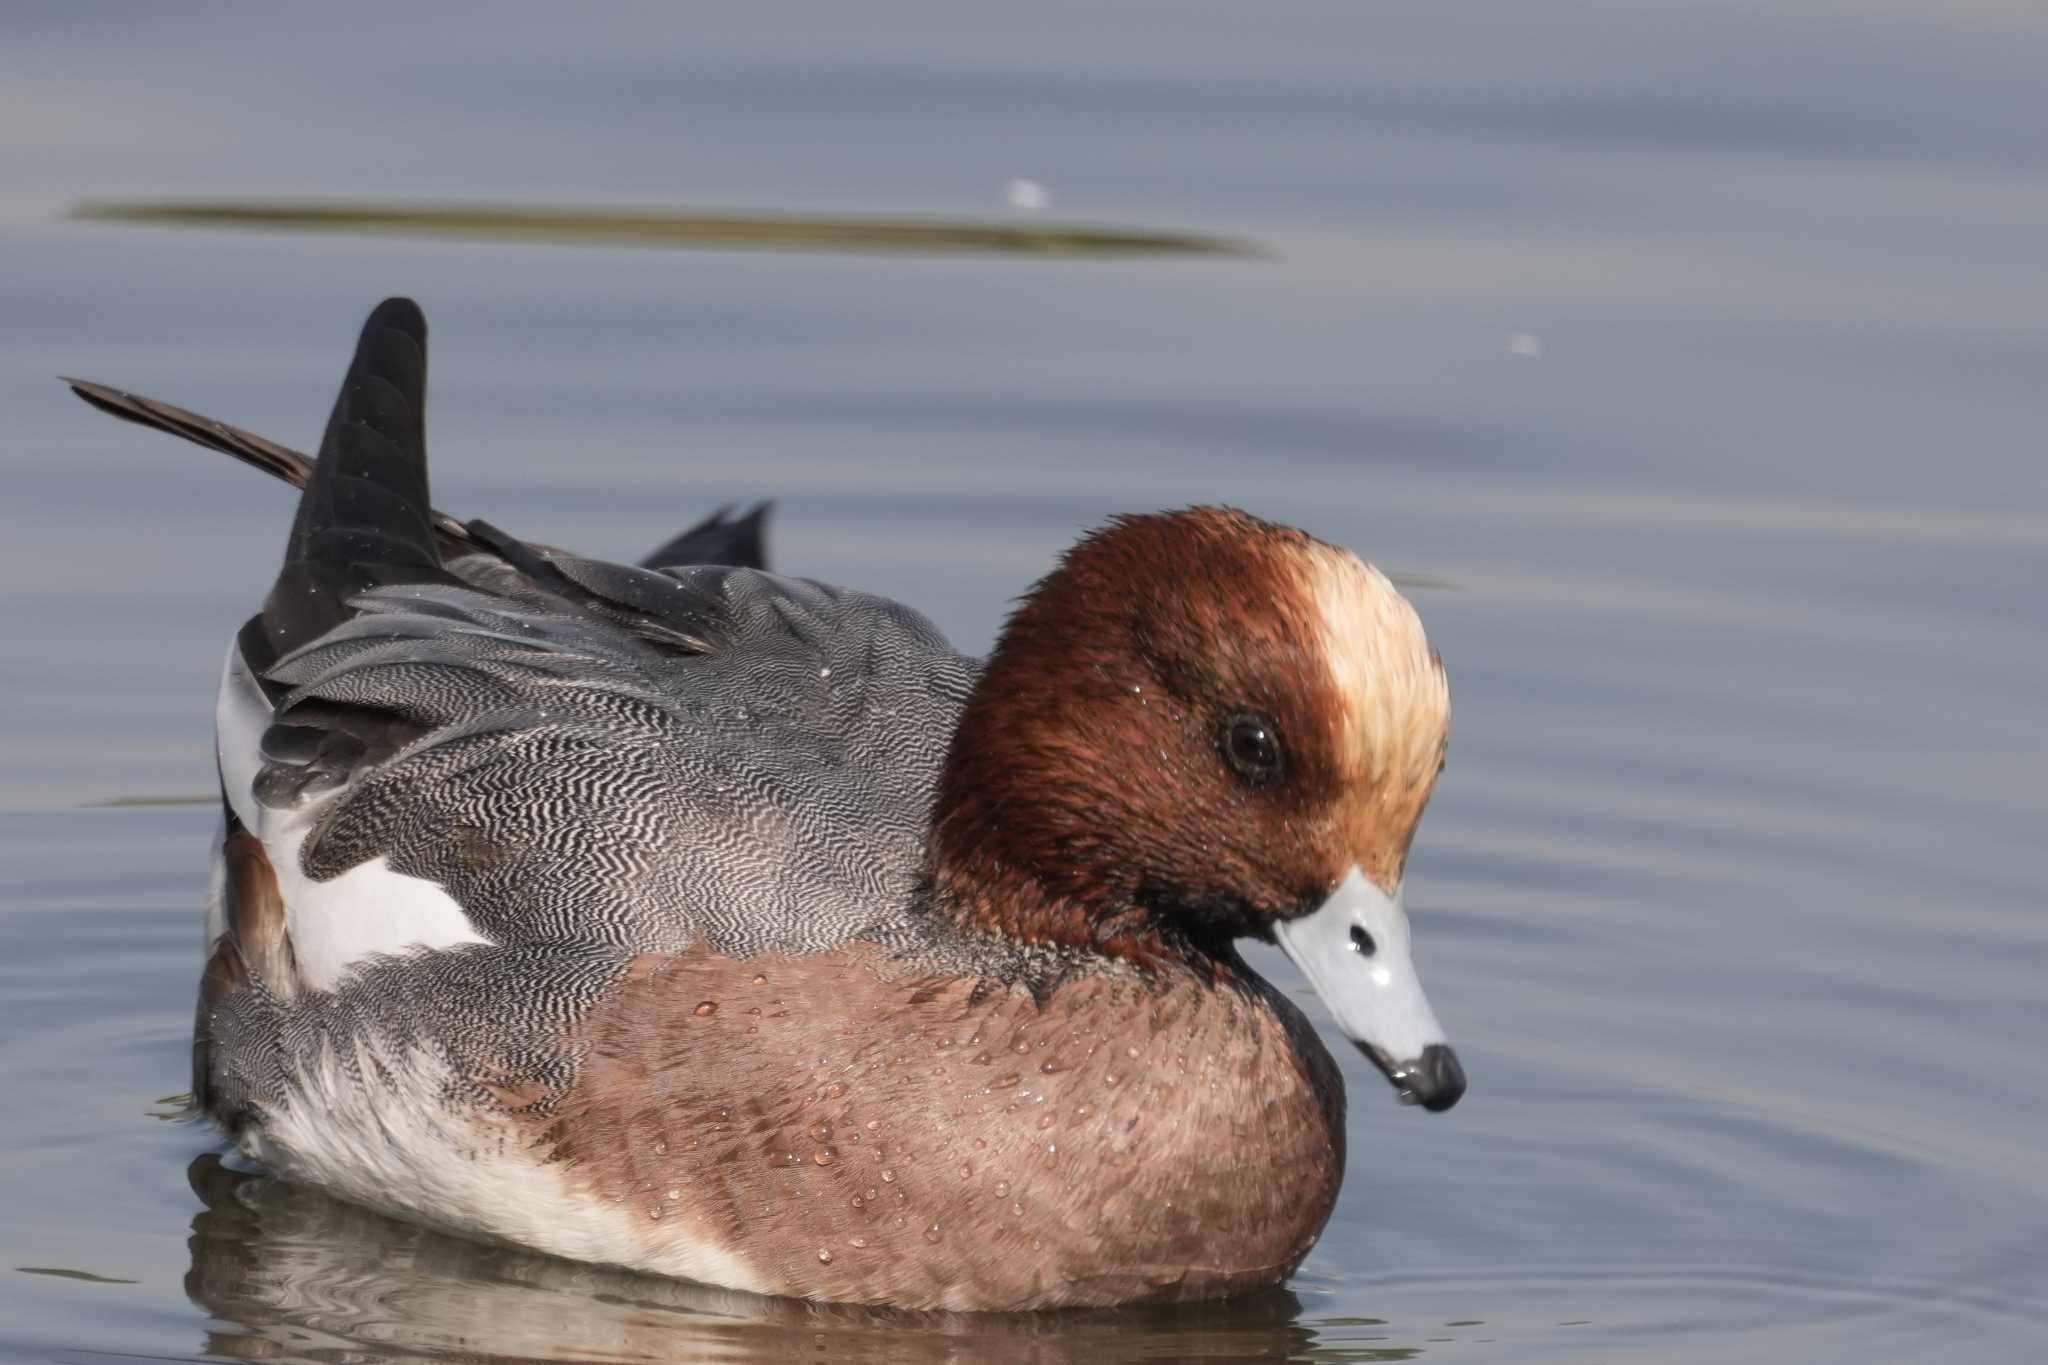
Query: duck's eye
[(1362, 942), (1253, 747)]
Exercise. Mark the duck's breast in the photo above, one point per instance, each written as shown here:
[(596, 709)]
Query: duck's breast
[(849, 1131)]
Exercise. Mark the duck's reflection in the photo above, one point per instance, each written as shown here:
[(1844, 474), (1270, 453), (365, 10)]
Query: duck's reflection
[(289, 1274)]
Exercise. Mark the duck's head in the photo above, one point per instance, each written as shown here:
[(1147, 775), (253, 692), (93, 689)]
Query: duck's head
[(1203, 727)]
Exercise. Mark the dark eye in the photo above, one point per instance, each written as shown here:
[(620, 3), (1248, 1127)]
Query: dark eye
[(1361, 942), (1253, 747)]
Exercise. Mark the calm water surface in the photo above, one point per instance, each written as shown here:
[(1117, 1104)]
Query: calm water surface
[(1694, 354)]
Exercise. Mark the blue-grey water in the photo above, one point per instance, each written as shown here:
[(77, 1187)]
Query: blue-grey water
[(1691, 357)]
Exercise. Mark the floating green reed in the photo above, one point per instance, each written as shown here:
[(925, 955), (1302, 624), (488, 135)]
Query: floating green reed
[(175, 799), (761, 231), (61, 1273)]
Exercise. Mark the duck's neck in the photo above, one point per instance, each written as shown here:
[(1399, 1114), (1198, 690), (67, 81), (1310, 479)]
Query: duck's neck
[(1078, 923), (1030, 832), (980, 892)]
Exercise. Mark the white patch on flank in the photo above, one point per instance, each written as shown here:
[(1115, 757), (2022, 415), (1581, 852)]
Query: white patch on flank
[(389, 1141), (1397, 704), (216, 888), (336, 923), (241, 713)]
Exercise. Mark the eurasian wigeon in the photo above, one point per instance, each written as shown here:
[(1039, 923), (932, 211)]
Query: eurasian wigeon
[(733, 927)]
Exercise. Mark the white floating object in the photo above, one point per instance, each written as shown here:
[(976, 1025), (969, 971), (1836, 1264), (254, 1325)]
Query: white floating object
[(1525, 344), (1022, 193)]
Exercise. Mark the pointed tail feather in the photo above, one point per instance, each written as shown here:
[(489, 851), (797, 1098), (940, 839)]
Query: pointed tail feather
[(251, 449), (258, 452), (366, 502), (720, 538), (364, 519), (364, 516)]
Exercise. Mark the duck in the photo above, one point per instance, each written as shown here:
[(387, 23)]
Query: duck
[(729, 926)]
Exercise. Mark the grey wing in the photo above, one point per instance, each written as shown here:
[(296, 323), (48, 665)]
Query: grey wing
[(578, 751)]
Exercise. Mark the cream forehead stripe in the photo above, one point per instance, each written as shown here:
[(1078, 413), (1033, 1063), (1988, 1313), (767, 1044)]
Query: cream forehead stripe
[(1397, 703)]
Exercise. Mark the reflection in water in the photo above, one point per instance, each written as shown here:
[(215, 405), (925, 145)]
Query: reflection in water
[(290, 1274)]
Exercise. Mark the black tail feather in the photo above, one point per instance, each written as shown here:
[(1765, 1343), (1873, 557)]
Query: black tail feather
[(365, 518), (720, 538), (368, 493)]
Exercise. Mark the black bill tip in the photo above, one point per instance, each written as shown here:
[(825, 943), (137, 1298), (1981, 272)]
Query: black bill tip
[(1434, 1080)]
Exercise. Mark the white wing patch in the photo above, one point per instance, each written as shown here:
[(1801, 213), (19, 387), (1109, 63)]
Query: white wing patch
[(334, 924), (368, 909)]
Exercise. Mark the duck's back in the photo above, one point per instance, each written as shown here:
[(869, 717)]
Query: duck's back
[(434, 744)]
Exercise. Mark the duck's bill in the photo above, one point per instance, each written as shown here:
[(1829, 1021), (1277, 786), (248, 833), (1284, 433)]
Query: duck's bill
[(1354, 951)]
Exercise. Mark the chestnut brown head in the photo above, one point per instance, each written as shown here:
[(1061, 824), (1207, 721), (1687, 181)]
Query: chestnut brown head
[(1201, 727)]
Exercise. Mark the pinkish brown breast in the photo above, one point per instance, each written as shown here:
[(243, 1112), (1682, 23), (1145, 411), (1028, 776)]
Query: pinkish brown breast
[(849, 1133)]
